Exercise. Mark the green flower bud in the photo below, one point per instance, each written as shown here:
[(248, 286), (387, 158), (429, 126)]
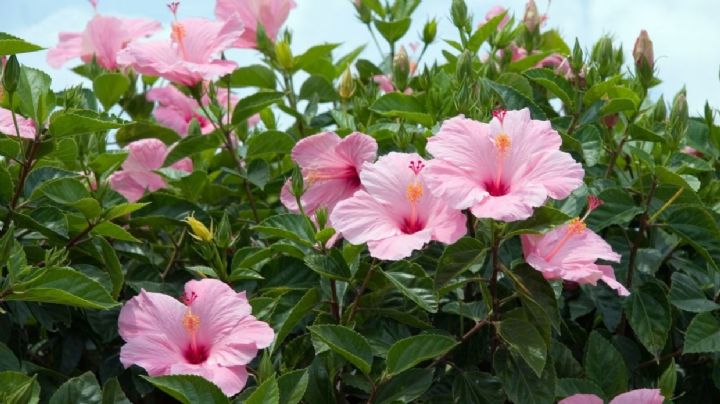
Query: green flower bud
[(11, 74), (401, 68), (346, 88), (464, 68), (576, 59), (297, 184), (660, 110), (679, 116), (459, 13), (321, 217), (284, 55), (429, 31)]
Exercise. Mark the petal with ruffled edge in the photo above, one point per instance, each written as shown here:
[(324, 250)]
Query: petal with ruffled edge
[(361, 218), (557, 172), (123, 182), (322, 193), (399, 246), (25, 126), (639, 396), (153, 352), (241, 344), (205, 38), (140, 27), (516, 205), (103, 38), (387, 180), (218, 307), (357, 148), (447, 225), (582, 399), (151, 57), (465, 143), (231, 380), (608, 276), (151, 313), (145, 155), (317, 151), (68, 47), (453, 185)]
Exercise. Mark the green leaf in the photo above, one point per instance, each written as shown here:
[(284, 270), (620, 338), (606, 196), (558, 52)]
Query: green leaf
[(534, 286), (63, 286), (568, 387), (619, 208), (408, 352), (252, 104), (252, 76), (483, 32), (290, 320), (405, 387), (697, 227), (12, 45), (457, 258), (145, 130), (112, 393), (191, 145), (685, 294), (123, 209), (32, 93), (543, 219), (605, 366), (473, 310), (346, 343), (520, 383), (668, 380), (513, 99), (82, 389), (188, 389), (412, 281), (475, 387), (288, 226), (320, 87), (65, 191), (331, 266), (648, 312), (112, 265), (524, 338), (107, 161), (77, 122), (399, 105), (553, 83), (703, 334), (269, 143), (590, 143), (392, 30), (109, 87), (18, 388), (639, 133), (109, 229), (292, 386), (267, 393)]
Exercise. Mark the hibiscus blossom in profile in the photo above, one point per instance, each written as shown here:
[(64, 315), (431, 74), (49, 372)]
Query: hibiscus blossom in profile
[(211, 334), (501, 170), (190, 56), (395, 213), (176, 110), (137, 174), (569, 252), (639, 396), (270, 14), (495, 11), (330, 167), (102, 39), (26, 126)]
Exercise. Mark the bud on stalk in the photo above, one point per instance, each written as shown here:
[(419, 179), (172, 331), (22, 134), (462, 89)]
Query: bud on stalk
[(284, 55), (459, 14), (679, 116), (401, 68), (346, 88), (644, 57), (532, 18), (11, 74), (576, 59), (429, 31)]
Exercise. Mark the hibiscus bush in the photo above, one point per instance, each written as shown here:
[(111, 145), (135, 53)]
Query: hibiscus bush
[(517, 221)]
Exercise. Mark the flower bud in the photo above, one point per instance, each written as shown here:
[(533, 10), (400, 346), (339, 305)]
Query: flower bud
[(679, 116), (464, 69), (603, 56), (364, 12), (284, 55), (346, 88), (532, 18), (401, 68), (224, 232), (297, 184), (199, 230), (660, 110), (321, 217), (643, 50), (11, 74), (429, 31), (576, 59), (459, 13)]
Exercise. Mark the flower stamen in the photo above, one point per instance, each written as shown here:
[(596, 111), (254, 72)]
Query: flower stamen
[(576, 227)]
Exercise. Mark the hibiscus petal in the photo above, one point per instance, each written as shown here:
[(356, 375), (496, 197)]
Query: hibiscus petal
[(145, 155), (453, 185), (557, 172), (516, 205), (399, 246), (362, 218), (387, 180), (154, 353), (153, 314), (69, 47), (582, 399), (218, 307), (231, 380), (25, 126), (123, 182), (317, 150), (357, 148), (639, 396), (608, 276)]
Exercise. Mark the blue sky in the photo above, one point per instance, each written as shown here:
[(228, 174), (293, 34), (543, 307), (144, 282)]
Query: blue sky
[(684, 33)]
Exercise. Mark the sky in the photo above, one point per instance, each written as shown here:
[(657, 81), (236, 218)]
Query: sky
[(684, 33)]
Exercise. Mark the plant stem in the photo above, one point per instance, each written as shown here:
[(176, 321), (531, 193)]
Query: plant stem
[(334, 307), (175, 254), (495, 252), (292, 100), (356, 302), (478, 325)]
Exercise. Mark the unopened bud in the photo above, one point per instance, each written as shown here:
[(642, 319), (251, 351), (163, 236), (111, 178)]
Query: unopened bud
[(660, 110), (679, 116), (11, 74), (321, 217), (401, 68), (576, 60), (602, 55), (532, 18), (199, 230), (284, 55), (459, 13), (643, 50), (297, 184), (346, 88), (429, 31), (464, 69), (364, 12)]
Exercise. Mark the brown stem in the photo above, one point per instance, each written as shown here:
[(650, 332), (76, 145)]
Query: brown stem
[(175, 255), (356, 302), (614, 155), (465, 337), (660, 359), (334, 307), (24, 172)]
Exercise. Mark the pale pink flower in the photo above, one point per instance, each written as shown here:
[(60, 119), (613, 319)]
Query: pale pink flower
[(253, 120), (569, 252), (211, 334), (26, 126), (330, 168), (137, 174), (102, 38), (176, 110), (495, 11), (191, 56), (501, 170), (271, 14), (639, 396), (518, 53), (687, 150), (553, 60), (396, 213), (386, 85)]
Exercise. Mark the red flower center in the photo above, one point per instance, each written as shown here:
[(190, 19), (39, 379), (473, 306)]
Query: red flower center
[(195, 354)]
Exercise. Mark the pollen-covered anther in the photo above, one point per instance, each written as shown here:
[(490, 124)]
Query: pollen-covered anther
[(503, 143), (191, 322), (576, 226), (414, 192)]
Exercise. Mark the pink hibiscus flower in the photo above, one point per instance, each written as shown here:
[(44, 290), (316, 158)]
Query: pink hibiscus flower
[(569, 252), (501, 170), (176, 110), (189, 57), (137, 175), (211, 334), (271, 14), (25, 126), (394, 213), (102, 38), (386, 85), (330, 167), (639, 396), (495, 11)]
